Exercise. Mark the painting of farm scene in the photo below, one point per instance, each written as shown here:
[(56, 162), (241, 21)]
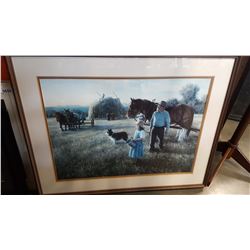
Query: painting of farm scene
[(120, 127)]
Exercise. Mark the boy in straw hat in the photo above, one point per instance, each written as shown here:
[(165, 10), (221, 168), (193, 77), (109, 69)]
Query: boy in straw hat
[(137, 148), (159, 122)]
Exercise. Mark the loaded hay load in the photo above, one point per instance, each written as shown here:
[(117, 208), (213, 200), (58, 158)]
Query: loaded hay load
[(107, 108)]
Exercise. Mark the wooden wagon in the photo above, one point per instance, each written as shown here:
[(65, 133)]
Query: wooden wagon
[(91, 122)]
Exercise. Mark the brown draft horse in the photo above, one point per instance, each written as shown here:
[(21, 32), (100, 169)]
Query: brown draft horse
[(63, 120), (69, 119), (181, 114)]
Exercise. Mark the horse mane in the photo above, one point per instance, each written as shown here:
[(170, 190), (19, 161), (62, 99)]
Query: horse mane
[(154, 104), (146, 107), (145, 100), (170, 108)]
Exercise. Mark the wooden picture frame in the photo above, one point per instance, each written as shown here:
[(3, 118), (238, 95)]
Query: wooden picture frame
[(20, 69)]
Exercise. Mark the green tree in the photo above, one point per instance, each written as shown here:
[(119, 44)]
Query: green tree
[(189, 94)]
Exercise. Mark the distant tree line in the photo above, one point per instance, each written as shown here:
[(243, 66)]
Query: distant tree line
[(189, 97), (50, 111)]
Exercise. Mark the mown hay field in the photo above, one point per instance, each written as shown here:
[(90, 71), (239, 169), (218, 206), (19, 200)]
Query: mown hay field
[(89, 152)]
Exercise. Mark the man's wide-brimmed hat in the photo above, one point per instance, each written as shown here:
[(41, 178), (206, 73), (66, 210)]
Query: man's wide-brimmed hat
[(163, 104)]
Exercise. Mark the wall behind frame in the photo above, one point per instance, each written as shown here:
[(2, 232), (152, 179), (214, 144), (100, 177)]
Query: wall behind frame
[(8, 97)]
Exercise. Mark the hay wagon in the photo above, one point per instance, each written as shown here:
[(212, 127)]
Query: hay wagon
[(90, 121)]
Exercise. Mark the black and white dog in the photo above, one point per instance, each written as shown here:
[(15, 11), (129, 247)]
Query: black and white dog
[(117, 137)]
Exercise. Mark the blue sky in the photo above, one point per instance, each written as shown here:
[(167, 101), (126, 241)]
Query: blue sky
[(59, 92)]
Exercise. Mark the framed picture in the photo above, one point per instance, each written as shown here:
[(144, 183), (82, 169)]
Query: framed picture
[(116, 124)]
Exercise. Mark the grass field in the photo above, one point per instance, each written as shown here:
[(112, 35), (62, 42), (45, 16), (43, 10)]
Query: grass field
[(89, 152)]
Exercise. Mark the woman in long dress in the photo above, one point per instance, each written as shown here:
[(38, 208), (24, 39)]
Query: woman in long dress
[(136, 151)]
